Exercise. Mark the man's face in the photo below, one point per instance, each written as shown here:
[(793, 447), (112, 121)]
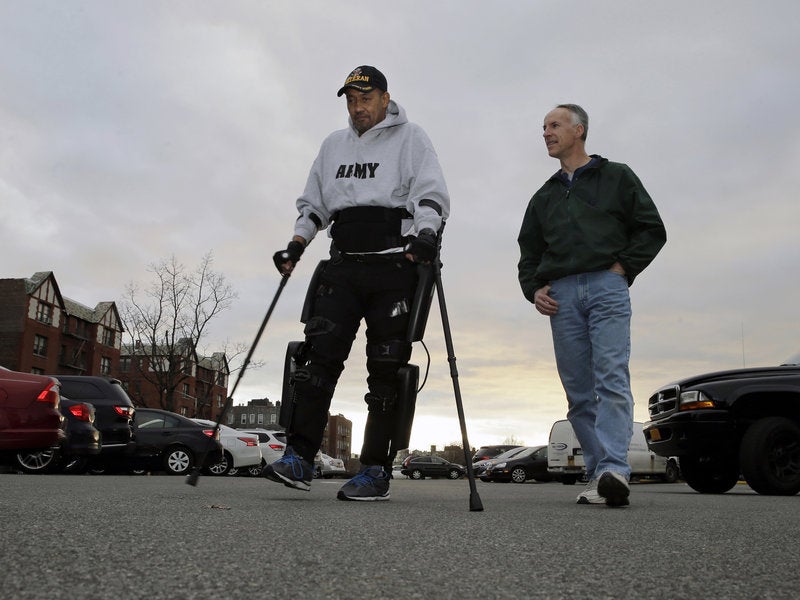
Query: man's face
[(560, 135), (366, 109)]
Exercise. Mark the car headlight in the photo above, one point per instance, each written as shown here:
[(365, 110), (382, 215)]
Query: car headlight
[(694, 399), (501, 465)]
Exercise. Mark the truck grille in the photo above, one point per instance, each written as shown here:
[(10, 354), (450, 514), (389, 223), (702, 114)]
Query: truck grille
[(663, 402)]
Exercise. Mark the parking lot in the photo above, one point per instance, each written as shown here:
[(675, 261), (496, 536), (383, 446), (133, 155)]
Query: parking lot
[(66, 536)]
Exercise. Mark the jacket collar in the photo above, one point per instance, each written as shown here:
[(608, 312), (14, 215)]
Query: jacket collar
[(594, 163)]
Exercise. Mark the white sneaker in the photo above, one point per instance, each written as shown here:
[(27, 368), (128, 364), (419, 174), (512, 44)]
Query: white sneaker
[(590, 495), (614, 489)]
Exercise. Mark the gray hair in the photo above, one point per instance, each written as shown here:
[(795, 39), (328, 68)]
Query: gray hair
[(579, 117)]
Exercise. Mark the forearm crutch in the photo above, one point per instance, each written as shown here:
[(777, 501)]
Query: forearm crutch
[(194, 475)]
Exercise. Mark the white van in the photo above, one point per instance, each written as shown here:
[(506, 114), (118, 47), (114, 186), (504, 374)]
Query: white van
[(565, 456)]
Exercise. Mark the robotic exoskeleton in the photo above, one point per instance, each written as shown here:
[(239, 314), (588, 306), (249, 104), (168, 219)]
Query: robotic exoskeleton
[(391, 412)]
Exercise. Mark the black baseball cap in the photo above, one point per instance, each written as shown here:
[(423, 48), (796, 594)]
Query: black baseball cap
[(364, 79)]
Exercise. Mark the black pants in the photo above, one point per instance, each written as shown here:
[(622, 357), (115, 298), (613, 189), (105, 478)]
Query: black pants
[(380, 291)]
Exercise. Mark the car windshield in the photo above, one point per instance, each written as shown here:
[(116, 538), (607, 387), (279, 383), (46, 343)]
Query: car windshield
[(525, 452), (509, 453), (793, 360)]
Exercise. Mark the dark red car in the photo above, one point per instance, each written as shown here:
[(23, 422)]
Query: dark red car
[(81, 444), (29, 411)]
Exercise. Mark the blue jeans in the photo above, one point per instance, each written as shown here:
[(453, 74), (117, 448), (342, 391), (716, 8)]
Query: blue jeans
[(591, 336)]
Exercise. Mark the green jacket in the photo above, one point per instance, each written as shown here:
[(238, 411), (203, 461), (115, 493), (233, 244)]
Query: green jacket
[(605, 216)]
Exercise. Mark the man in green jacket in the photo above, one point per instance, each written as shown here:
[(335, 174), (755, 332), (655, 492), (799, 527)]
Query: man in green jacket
[(586, 235)]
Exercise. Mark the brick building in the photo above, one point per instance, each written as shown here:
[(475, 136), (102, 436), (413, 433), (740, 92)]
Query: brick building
[(41, 331), (338, 437), (260, 413), (175, 378)]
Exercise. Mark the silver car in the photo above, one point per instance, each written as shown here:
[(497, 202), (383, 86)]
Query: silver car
[(328, 467), (242, 450), (272, 444)]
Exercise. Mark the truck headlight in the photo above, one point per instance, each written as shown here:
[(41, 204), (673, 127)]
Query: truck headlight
[(695, 399)]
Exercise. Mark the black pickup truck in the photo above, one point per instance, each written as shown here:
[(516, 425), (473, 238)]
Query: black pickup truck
[(731, 424)]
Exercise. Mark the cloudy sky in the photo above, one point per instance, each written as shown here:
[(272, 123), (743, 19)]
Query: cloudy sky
[(133, 131)]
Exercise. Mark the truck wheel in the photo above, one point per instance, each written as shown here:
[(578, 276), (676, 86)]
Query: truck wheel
[(709, 474), (770, 456), (671, 473), (569, 479)]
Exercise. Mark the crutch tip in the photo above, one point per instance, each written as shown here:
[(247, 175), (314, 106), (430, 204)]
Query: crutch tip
[(191, 478), (475, 504)]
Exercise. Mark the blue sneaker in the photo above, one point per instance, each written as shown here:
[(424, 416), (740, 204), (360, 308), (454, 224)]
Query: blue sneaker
[(291, 470), (371, 483)]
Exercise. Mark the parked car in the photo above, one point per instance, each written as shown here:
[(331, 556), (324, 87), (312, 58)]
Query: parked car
[(328, 467), (272, 444), (420, 467), (530, 463), (487, 452), (29, 412), (82, 441), (480, 466), (172, 443), (113, 413), (728, 424), (241, 450)]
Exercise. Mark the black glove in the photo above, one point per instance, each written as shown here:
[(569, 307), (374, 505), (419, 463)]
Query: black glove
[(292, 254), (423, 247)]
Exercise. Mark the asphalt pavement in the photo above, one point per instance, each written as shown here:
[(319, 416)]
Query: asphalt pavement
[(154, 537)]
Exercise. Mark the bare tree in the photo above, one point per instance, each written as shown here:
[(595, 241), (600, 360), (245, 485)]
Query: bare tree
[(512, 440), (167, 321)]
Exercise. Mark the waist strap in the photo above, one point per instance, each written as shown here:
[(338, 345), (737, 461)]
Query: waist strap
[(369, 228)]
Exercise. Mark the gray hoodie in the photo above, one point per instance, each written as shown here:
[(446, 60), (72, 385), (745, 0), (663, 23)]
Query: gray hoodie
[(392, 165)]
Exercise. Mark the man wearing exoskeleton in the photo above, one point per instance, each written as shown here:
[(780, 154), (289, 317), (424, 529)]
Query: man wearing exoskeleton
[(379, 186)]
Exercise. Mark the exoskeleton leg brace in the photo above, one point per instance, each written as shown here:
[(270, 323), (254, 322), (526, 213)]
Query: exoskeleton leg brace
[(397, 413)]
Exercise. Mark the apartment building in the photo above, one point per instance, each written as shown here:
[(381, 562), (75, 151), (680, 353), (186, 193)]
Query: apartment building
[(41, 331), (175, 378)]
